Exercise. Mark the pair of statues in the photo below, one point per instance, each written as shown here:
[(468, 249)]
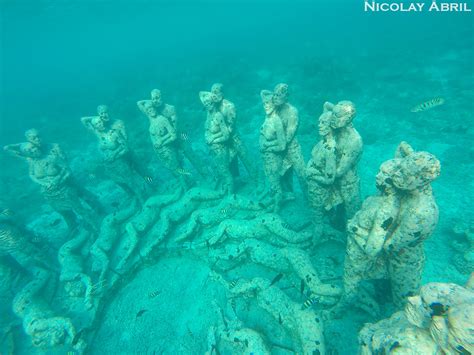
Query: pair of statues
[(223, 139), (385, 237), (332, 170), (280, 149)]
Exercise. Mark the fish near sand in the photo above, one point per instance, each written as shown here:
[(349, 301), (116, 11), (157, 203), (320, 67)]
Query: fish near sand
[(428, 105), (276, 279)]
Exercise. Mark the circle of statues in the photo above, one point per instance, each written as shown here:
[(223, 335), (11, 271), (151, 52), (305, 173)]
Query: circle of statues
[(59, 302)]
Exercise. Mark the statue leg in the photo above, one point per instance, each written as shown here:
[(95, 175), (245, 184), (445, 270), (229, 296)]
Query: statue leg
[(350, 192), (405, 270)]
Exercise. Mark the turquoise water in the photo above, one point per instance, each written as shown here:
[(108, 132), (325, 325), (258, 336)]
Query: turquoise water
[(60, 59)]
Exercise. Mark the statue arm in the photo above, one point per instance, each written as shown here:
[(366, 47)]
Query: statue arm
[(141, 105), (350, 158), (292, 125), (171, 133), (279, 143), (14, 150), (87, 122)]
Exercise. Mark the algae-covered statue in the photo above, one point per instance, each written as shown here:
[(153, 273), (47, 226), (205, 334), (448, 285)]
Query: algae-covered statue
[(293, 160), (48, 168), (440, 320), (217, 135), (237, 147), (348, 153), (323, 195), (119, 165), (164, 137), (272, 147)]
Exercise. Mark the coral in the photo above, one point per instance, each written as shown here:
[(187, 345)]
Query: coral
[(463, 260)]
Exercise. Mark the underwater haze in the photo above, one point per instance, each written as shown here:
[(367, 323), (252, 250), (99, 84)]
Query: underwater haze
[(60, 59)]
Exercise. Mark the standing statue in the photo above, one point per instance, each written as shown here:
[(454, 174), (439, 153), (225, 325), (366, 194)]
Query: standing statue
[(49, 169), (294, 157), (348, 153), (321, 175), (237, 147), (272, 147), (164, 137), (118, 162), (217, 136), (181, 142)]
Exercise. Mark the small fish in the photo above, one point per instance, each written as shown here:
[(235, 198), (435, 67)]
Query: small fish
[(232, 283), (302, 287), (261, 205), (55, 222), (71, 352), (309, 302), (76, 339), (286, 225), (427, 105), (276, 279), (208, 245), (7, 212), (148, 179), (96, 287), (224, 211), (92, 176), (140, 313), (279, 319), (184, 136), (182, 171), (154, 294), (233, 305)]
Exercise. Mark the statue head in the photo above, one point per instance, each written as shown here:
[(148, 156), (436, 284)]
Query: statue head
[(343, 113), (103, 112), (156, 98), (324, 124), (32, 136), (384, 177), (98, 124), (267, 100), (216, 90), (207, 100), (280, 94), (30, 150), (417, 170), (150, 109)]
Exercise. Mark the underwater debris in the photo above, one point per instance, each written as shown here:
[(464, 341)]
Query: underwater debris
[(276, 279), (428, 105)]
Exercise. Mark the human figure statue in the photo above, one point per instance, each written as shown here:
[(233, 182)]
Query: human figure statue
[(49, 169), (163, 137), (237, 147), (181, 142), (118, 162), (293, 160), (321, 174), (217, 135), (273, 148), (348, 153), (416, 222)]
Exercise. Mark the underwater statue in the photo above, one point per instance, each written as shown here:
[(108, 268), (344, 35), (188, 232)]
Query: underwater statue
[(237, 147), (272, 148), (217, 135), (348, 153), (293, 160), (320, 175), (304, 327), (119, 164), (417, 220), (48, 168), (290, 260), (164, 137), (385, 238), (440, 320)]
